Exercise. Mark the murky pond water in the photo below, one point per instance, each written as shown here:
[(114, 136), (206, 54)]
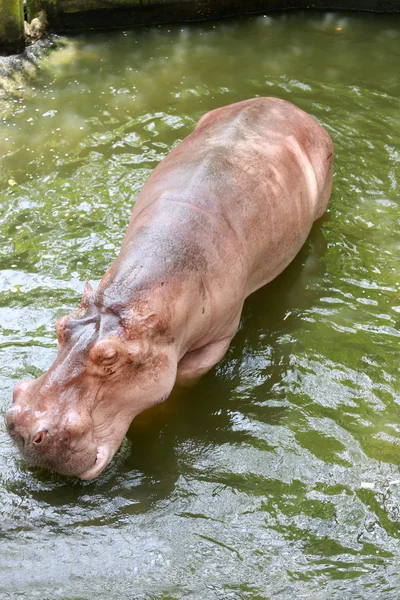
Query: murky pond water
[(278, 475)]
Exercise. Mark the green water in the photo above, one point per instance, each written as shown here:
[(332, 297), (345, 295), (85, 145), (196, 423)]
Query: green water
[(278, 476)]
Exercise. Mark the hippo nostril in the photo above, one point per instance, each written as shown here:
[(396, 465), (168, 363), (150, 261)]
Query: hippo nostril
[(39, 437)]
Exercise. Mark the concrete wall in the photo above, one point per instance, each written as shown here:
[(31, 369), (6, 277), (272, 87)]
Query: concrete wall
[(64, 15), (84, 14)]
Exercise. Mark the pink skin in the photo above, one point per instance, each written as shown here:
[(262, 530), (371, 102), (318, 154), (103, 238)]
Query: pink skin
[(80, 432), (223, 214)]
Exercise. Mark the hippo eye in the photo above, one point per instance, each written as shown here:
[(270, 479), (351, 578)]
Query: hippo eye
[(105, 354), (109, 354)]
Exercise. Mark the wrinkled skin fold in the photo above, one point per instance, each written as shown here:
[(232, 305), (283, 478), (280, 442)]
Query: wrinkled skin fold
[(222, 215)]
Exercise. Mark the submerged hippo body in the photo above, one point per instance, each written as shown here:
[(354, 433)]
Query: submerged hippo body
[(223, 214)]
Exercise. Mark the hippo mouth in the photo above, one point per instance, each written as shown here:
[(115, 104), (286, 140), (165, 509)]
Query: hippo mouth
[(103, 458)]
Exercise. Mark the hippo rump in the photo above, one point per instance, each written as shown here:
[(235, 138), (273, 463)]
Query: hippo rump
[(222, 215)]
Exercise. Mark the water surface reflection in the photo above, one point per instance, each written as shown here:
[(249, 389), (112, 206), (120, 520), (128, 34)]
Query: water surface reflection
[(278, 475)]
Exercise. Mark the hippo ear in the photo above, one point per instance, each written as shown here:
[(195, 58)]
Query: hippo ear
[(88, 288), (62, 328), (87, 296)]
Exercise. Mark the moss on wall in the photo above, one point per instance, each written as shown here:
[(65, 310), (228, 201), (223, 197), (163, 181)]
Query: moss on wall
[(11, 25)]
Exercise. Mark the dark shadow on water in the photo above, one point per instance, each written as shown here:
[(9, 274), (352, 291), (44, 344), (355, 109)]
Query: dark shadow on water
[(164, 439)]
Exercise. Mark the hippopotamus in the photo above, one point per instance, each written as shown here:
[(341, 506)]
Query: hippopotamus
[(222, 215)]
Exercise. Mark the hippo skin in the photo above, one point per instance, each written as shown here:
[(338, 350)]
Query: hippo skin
[(222, 215)]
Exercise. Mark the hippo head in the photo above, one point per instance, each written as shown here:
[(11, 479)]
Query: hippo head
[(111, 365)]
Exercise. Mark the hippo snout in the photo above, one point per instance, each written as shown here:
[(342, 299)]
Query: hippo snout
[(49, 434)]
